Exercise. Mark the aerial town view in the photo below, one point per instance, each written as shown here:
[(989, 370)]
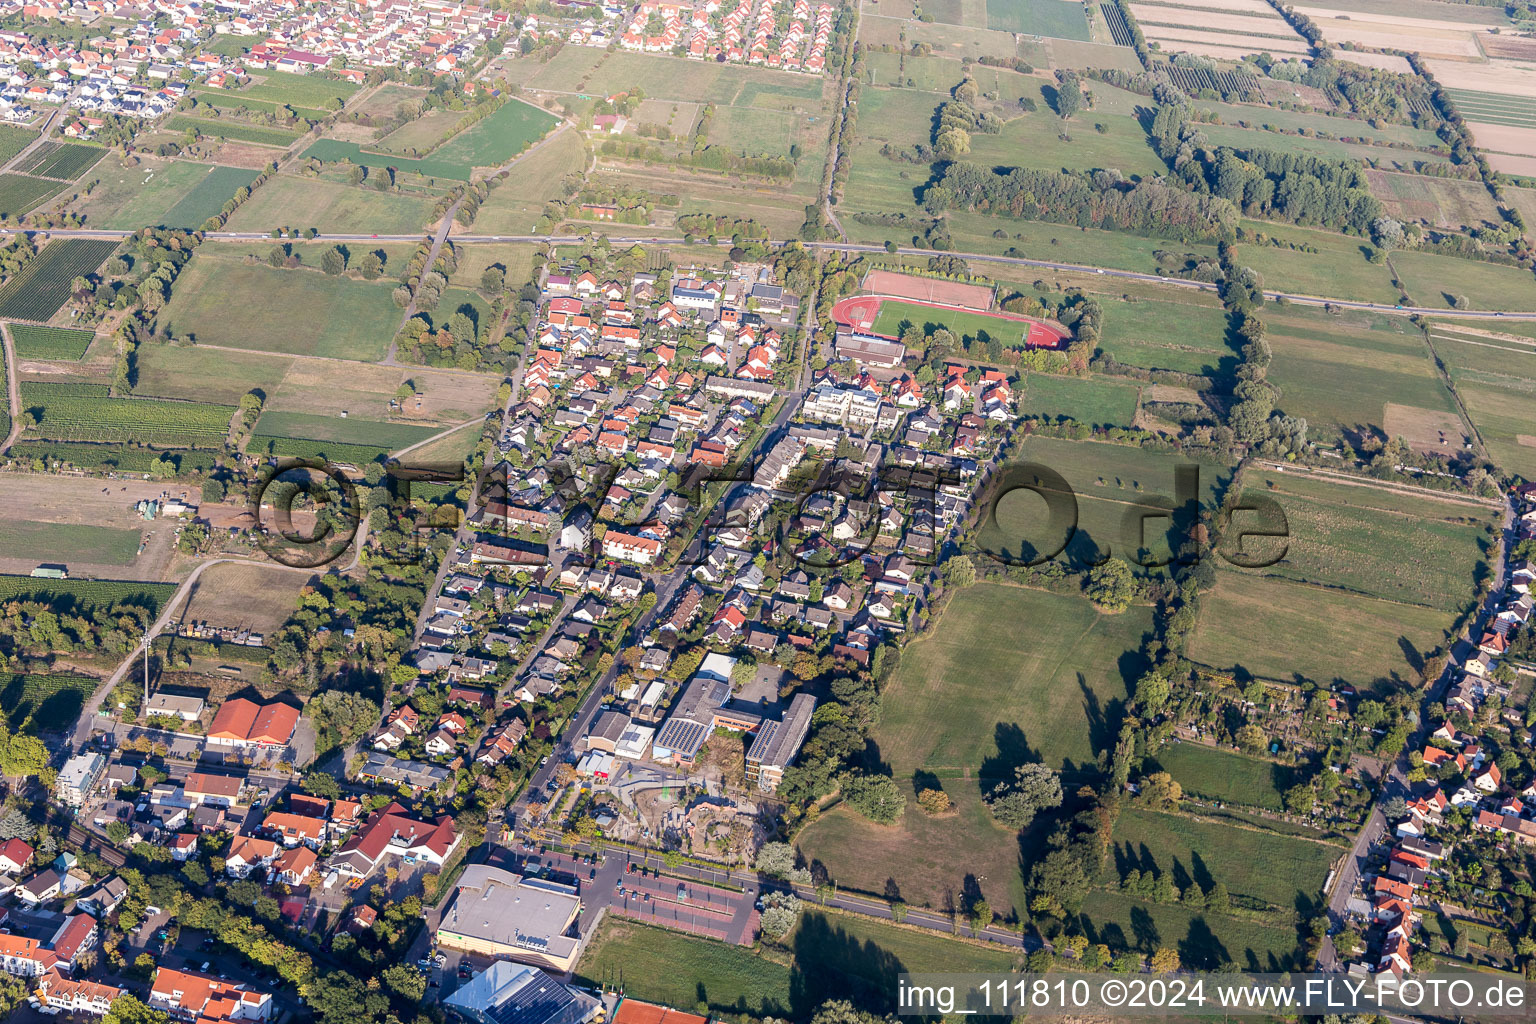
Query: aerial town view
[(708, 511)]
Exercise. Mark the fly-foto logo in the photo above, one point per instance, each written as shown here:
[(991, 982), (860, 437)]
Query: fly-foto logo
[(1025, 514)]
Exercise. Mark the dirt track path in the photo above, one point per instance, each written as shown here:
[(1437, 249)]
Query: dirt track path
[(12, 389)]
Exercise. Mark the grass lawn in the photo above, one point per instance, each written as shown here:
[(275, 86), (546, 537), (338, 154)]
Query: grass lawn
[(679, 970), (1277, 629), (68, 542), (1377, 543), (971, 701), (1437, 280), (895, 315), (331, 208), (1203, 941), (222, 301), (1101, 401), (1285, 873), (193, 373), (515, 205), (44, 703), (832, 956), (1341, 379), (1226, 776)]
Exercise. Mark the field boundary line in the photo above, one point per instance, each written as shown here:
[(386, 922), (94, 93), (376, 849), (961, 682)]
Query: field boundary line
[(12, 388)]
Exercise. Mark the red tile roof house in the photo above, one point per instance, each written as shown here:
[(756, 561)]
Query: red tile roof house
[(15, 855), (244, 723), (186, 995), (394, 832)]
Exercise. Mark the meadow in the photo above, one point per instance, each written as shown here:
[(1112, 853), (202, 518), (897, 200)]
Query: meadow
[(831, 956), (421, 134), (224, 99), (1101, 401), (19, 193), (211, 375), (1055, 18), (175, 193), (1108, 483), (1276, 870), (1203, 941), (512, 128), (1338, 269), (1226, 776), (330, 207), (330, 150), (1342, 377), (98, 545), (1495, 377), (33, 342), (514, 206), (1438, 280), (1444, 202), (222, 301), (42, 286), (315, 91), (346, 431), (239, 131), (1277, 629), (1188, 336), (44, 703), (71, 412)]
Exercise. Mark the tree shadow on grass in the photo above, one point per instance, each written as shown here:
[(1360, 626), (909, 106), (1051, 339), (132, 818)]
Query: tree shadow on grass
[(832, 964)]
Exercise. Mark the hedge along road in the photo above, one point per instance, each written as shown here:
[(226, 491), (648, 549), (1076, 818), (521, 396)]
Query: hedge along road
[(846, 247)]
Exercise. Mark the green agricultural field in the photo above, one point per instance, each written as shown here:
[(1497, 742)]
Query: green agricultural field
[(1377, 543), (119, 457), (1495, 375), (1228, 777), (1179, 336), (222, 301), (390, 436), (315, 91), (1381, 156), (330, 207), (1269, 869), (1060, 19), (207, 198), (753, 130), (42, 286), (1343, 378), (14, 139), (44, 703), (514, 206), (63, 160), (210, 375), (19, 193), (1202, 940), (512, 128), (64, 343), (303, 448), (1439, 280), (1277, 629), (239, 131), (69, 542), (67, 413), (70, 596), (1101, 401), (330, 150)]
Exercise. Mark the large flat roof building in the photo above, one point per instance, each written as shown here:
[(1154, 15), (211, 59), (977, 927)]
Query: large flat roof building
[(777, 743), (501, 914)]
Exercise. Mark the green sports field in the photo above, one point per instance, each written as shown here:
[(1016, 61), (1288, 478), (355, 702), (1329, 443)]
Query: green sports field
[(895, 316), (223, 301)]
